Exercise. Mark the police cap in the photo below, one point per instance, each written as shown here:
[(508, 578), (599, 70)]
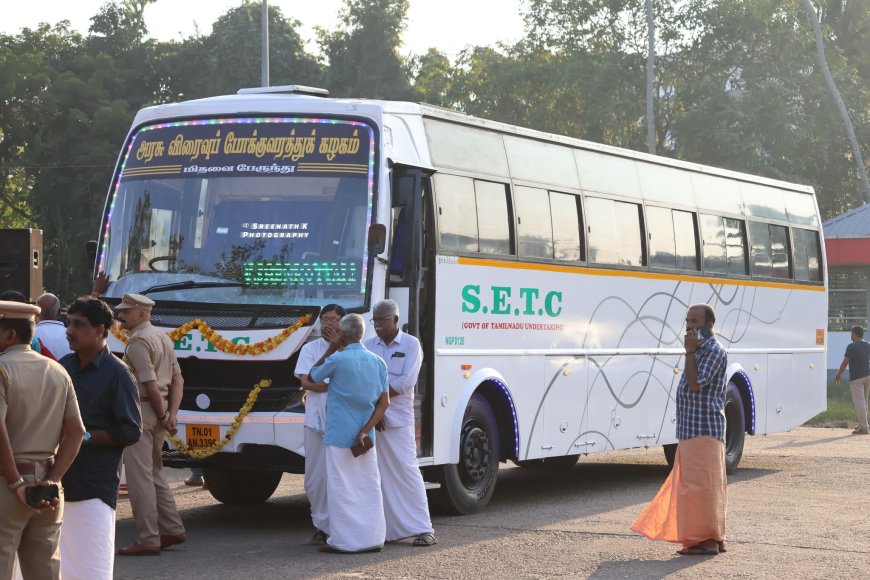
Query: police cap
[(135, 301), (17, 310)]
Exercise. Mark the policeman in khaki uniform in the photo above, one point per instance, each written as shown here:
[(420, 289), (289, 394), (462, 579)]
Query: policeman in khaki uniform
[(40, 434), (151, 357)]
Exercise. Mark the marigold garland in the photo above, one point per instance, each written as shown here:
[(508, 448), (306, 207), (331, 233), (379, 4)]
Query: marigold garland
[(220, 342), (234, 426)]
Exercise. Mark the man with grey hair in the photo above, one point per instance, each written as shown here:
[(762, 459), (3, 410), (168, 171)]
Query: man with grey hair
[(355, 402), (50, 331), (406, 508)]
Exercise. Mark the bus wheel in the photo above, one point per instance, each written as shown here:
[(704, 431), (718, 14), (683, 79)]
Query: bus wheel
[(467, 486), (561, 463), (670, 454), (735, 428), (240, 486)]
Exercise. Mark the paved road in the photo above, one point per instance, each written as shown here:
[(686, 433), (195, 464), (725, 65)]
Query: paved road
[(798, 508)]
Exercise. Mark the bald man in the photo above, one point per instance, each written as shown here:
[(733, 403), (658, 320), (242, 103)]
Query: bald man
[(50, 331)]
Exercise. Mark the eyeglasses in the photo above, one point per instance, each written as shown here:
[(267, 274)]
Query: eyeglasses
[(330, 319), (381, 320)]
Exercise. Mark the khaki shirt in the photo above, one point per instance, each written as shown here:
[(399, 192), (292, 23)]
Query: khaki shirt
[(151, 357), (36, 395)]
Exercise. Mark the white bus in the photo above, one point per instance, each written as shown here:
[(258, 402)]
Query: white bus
[(547, 278)]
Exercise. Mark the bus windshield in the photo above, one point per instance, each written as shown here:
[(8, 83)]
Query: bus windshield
[(239, 212)]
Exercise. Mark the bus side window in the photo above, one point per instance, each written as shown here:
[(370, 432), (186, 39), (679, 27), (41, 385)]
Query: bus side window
[(806, 255), (457, 213), (724, 243), (769, 250), (534, 226), (493, 217), (614, 232), (673, 239), (567, 213)]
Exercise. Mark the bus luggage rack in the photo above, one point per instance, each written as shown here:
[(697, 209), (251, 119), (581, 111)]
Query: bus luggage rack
[(232, 317)]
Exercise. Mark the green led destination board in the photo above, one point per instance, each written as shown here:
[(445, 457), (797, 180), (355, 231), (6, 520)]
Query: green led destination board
[(327, 274)]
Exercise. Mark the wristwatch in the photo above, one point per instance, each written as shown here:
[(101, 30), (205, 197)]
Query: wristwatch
[(16, 484), (87, 438)]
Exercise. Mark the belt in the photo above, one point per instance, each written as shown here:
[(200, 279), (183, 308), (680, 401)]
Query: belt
[(29, 468), (145, 399)]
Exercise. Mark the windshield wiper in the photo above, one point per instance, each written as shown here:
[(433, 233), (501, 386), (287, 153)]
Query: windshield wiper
[(188, 284)]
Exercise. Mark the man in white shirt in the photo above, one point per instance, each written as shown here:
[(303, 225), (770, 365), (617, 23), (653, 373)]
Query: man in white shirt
[(315, 420), (406, 508), (50, 331)]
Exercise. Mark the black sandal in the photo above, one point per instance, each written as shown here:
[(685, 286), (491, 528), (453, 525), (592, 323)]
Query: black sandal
[(425, 540), (319, 537)]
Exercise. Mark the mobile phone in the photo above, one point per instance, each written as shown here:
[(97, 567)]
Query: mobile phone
[(34, 495)]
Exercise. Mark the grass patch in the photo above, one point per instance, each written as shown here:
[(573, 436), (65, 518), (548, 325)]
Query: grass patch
[(840, 407)]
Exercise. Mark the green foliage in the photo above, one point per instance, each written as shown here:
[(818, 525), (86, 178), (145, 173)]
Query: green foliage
[(737, 85), (363, 52)]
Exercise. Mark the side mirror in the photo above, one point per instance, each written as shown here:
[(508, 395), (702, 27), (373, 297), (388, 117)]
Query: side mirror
[(377, 238), (91, 252)]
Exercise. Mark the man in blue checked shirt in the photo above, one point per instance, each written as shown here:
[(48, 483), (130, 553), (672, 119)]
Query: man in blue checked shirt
[(690, 507)]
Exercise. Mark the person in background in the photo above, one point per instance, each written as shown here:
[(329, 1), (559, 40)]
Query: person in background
[(16, 296), (50, 331), (315, 419), (151, 357), (40, 434), (406, 508), (109, 404), (858, 360), (690, 507), (355, 402)]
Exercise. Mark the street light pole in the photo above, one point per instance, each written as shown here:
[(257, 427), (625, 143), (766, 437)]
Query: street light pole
[(264, 57)]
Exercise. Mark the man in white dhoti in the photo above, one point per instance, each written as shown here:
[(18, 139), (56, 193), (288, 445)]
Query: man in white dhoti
[(356, 400), (406, 508), (315, 419), (109, 403)]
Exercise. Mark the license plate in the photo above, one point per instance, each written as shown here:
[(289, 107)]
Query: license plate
[(202, 436)]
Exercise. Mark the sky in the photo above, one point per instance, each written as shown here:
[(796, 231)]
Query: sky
[(449, 25)]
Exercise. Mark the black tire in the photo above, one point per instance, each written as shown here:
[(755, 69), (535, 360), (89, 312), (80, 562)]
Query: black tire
[(735, 428), (562, 463), (670, 454), (467, 487), (241, 487)]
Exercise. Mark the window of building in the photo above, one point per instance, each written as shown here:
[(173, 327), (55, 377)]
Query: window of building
[(847, 298), (615, 231)]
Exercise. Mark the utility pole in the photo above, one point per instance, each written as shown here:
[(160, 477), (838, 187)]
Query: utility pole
[(650, 70), (264, 57)]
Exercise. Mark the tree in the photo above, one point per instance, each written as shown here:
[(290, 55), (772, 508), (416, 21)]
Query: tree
[(362, 53)]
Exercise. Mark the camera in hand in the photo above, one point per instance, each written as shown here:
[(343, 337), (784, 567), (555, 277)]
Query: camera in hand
[(34, 495)]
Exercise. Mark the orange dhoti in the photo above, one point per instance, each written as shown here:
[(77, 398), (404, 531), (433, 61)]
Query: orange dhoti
[(690, 507)]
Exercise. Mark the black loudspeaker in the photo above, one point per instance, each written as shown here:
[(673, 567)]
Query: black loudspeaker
[(21, 262)]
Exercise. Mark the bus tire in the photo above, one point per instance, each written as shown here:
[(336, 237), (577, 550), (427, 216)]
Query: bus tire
[(561, 463), (735, 428), (241, 486), (466, 487), (670, 454)]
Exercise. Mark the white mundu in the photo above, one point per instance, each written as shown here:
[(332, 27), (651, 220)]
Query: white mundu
[(356, 517), (315, 419), (87, 540), (406, 508)]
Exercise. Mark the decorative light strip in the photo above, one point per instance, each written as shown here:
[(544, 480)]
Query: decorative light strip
[(107, 220), (748, 385), (513, 414)]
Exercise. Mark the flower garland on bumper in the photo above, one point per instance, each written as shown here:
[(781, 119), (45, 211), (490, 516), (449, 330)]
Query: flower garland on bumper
[(234, 426), (220, 342)]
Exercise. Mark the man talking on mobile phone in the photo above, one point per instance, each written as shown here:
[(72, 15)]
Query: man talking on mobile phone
[(690, 507), (109, 404), (40, 433)]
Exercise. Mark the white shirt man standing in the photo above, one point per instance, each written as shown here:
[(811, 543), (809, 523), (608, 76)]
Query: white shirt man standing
[(50, 331), (406, 508), (315, 420)]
